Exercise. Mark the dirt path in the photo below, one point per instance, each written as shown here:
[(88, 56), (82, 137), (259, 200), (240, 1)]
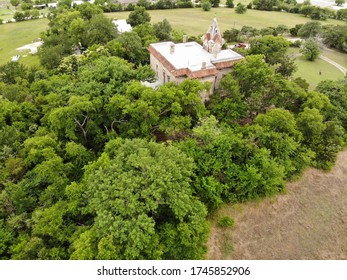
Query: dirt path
[(338, 66), (308, 222)]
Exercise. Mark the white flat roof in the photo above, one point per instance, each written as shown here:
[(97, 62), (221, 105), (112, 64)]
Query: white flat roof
[(191, 55), (122, 25)]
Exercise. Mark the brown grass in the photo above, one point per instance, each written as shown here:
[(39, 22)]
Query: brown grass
[(308, 222)]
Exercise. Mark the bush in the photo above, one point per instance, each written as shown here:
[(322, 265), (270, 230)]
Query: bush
[(18, 16), (240, 8), (206, 5), (230, 3), (226, 222)]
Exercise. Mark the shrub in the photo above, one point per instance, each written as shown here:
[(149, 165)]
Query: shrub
[(230, 3), (226, 222), (206, 5)]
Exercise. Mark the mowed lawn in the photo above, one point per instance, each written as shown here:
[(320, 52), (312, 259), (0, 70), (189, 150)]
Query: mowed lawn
[(196, 21), (6, 14), (319, 70), (15, 35)]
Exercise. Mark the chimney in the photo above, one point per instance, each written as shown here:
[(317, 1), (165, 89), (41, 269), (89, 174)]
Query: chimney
[(184, 40), (203, 65), (172, 48)]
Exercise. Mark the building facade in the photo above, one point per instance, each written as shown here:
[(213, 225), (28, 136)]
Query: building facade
[(208, 63)]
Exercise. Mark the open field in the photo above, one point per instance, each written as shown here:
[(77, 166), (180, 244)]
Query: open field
[(337, 56), (15, 35), (195, 21), (308, 222), (310, 71), (6, 14)]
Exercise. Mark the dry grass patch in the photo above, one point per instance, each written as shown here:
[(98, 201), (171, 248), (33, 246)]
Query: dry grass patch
[(308, 222)]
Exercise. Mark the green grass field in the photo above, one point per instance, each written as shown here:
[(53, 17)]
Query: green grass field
[(191, 21), (15, 35), (6, 14), (310, 71), (337, 56), (196, 21)]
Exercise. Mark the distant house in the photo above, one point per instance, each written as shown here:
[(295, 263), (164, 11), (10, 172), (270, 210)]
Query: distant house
[(127, 2), (79, 2), (122, 25), (52, 5), (207, 63), (42, 6)]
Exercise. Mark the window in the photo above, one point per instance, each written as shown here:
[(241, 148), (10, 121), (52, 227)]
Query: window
[(164, 76), (168, 78)]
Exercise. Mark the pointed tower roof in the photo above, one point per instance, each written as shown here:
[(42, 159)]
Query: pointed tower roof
[(212, 37)]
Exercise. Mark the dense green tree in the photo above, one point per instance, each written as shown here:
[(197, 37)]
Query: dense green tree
[(278, 132), (142, 111), (206, 5), (14, 3), (340, 2), (240, 8), (145, 216), (134, 51), (231, 35), (162, 30), (18, 16), (99, 30), (335, 36), (230, 3), (273, 48), (337, 93), (310, 29), (215, 3), (227, 102), (266, 5), (88, 10), (256, 79), (341, 14), (310, 49), (138, 16), (11, 71)]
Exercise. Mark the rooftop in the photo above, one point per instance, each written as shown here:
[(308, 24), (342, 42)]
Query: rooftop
[(191, 55)]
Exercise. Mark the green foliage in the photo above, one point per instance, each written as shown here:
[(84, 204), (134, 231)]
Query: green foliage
[(138, 16), (206, 5), (99, 30), (310, 49), (273, 48), (310, 29), (340, 2), (11, 71), (230, 3), (153, 212), (142, 111), (65, 195), (231, 35), (162, 30), (266, 5), (226, 222), (240, 8)]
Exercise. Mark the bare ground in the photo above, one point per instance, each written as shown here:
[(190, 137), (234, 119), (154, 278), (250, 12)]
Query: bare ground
[(308, 222)]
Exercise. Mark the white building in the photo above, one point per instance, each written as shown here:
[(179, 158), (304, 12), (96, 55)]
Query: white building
[(207, 63), (122, 25)]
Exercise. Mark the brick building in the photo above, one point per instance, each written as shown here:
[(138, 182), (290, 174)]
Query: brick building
[(208, 63)]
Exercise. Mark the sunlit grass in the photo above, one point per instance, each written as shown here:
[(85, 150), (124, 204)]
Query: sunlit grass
[(196, 21), (15, 35)]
